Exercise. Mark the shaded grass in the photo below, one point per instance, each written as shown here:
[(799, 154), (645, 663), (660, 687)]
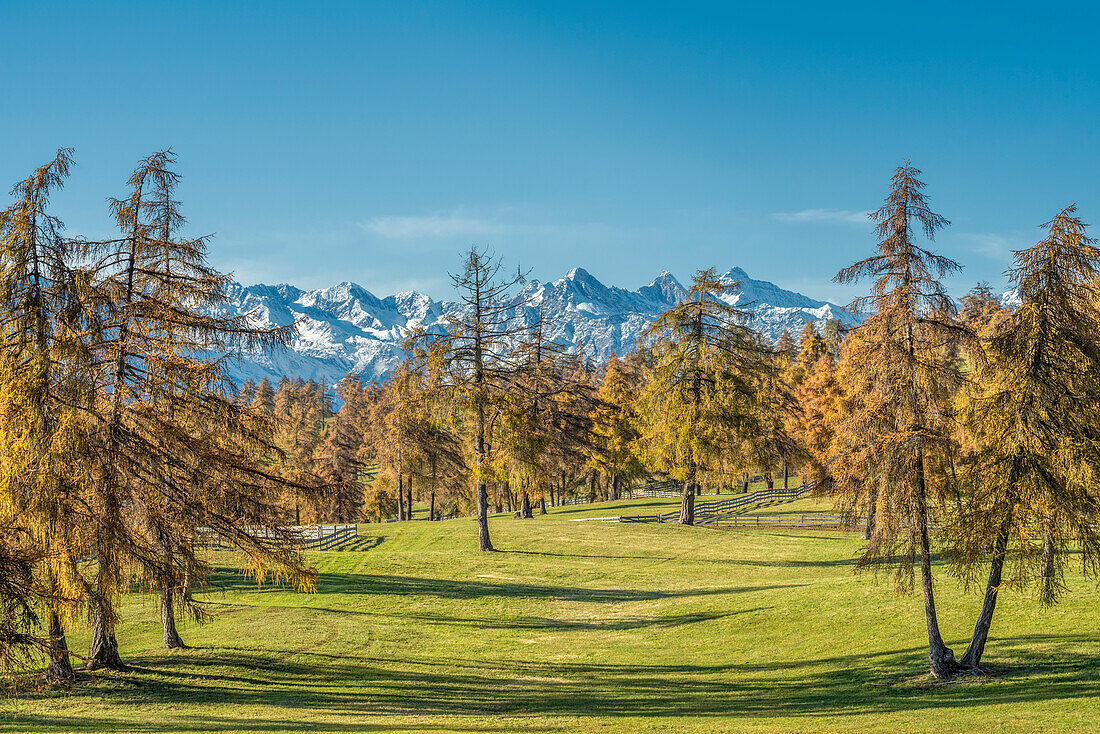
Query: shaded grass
[(582, 626)]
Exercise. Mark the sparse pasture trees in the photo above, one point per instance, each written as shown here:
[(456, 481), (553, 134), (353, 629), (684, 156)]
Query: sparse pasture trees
[(699, 398), (1034, 413), (615, 426), (891, 453), (47, 374), (481, 366)]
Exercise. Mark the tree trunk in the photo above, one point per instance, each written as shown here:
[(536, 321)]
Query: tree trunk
[(104, 650), (955, 484), (172, 638), (687, 504), (786, 475), (431, 506), (592, 486), (614, 487), (167, 602), (186, 595), (483, 542), (59, 668), (769, 481), (542, 505), (972, 658), (871, 514), (525, 506), (1046, 564), (940, 656), (400, 497), (410, 498)]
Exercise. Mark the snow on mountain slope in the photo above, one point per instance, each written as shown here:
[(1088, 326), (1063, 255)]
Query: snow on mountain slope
[(1012, 299), (346, 328)]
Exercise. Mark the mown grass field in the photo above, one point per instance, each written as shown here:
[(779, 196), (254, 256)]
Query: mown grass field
[(584, 627)]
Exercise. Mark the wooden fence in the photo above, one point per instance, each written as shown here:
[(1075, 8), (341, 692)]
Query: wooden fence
[(325, 537), (784, 520), (306, 537), (710, 511)]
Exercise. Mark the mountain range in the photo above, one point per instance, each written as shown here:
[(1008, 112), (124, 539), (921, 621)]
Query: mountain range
[(347, 329)]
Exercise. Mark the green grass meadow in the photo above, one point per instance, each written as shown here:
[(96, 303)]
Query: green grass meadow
[(583, 626)]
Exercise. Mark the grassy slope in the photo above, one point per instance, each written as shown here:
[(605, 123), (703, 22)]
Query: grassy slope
[(584, 626)]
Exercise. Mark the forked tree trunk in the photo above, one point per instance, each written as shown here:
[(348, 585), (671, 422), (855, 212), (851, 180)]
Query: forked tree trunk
[(940, 657), (525, 506), (60, 667), (104, 650), (972, 658)]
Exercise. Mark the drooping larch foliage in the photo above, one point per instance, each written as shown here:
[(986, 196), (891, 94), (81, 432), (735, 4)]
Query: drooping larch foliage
[(46, 390), (705, 368), (1033, 413), (902, 361), (481, 366), (120, 444)]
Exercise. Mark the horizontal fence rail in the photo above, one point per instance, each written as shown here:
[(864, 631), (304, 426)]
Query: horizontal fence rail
[(305, 537), (708, 512), (787, 520)]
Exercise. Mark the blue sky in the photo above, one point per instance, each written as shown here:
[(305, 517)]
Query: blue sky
[(373, 142)]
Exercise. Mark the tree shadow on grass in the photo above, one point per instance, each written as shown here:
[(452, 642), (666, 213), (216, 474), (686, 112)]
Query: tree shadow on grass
[(549, 624), (586, 508), (356, 583), (1037, 668)]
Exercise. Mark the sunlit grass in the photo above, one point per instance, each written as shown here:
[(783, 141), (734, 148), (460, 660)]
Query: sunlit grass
[(584, 626)]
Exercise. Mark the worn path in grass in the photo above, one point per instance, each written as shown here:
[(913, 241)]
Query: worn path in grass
[(578, 627)]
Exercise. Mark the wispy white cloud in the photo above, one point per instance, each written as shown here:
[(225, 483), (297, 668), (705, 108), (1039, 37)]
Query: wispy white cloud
[(438, 225), (511, 222), (991, 245), (844, 216)]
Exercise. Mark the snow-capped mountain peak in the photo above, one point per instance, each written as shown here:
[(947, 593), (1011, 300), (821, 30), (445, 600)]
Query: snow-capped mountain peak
[(346, 328)]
